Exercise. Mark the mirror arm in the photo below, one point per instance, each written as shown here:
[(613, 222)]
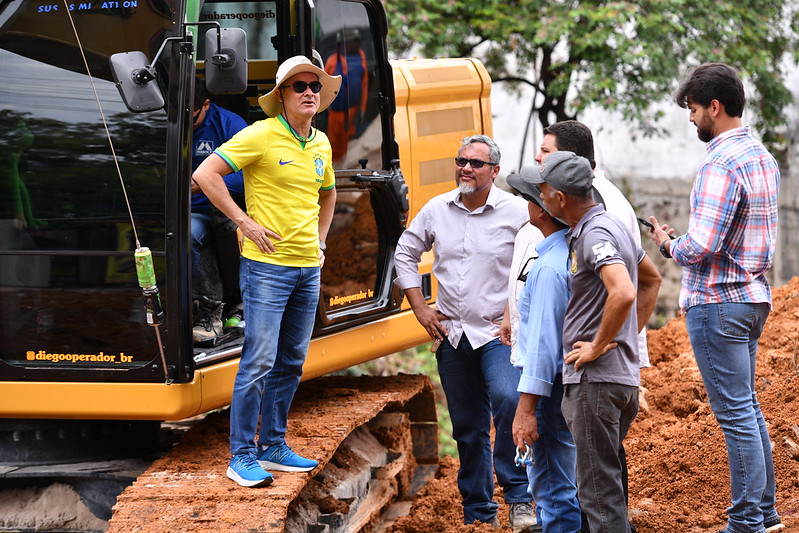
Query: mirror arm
[(147, 74), (218, 58)]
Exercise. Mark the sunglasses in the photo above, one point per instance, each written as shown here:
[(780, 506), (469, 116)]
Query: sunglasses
[(301, 86), (460, 162), (526, 268)]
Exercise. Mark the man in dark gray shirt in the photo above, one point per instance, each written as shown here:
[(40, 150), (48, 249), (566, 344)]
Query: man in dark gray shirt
[(613, 288)]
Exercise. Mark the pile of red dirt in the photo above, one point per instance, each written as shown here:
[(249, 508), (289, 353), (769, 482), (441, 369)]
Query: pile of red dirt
[(675, 450)]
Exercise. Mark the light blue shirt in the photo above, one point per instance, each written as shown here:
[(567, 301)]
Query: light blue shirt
[(472, 256), (542, 307)]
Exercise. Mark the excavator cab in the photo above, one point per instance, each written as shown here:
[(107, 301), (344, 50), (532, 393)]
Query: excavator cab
[(96, 132), (97, 121)]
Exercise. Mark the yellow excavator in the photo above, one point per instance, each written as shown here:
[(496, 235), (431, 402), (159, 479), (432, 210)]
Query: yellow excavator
[(96, 299)]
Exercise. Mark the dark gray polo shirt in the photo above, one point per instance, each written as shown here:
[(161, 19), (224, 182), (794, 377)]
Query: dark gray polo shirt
[(600, 239)]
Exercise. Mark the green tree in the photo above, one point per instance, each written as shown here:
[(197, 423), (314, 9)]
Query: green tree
[(618, 55)]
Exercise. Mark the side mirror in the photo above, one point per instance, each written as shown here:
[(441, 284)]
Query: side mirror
[(226, 61), (133, 76)]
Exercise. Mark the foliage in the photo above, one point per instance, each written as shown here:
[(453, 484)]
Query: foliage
[(417, 360), (618, 55)]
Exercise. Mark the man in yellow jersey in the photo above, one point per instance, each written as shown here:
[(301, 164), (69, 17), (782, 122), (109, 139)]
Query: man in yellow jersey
[(289, 188)]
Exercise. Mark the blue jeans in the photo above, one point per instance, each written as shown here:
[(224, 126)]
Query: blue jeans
[(216, 229), (477, 383), (200, 226), (724, 339), (599, 416), (553, 476), (280, 306)]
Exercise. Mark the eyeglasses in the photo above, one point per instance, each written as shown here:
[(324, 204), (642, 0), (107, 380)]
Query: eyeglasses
[(460, 162), (301, 86), (526, 268)]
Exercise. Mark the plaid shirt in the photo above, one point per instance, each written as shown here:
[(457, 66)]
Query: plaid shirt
[(732, 230)]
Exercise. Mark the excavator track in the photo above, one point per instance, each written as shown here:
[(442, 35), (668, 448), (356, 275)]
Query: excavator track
[(376, 440)]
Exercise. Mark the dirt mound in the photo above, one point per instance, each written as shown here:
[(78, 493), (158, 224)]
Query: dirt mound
[(675, 449)]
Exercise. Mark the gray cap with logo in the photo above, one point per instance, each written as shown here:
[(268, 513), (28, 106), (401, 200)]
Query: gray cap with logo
[(567, 172)]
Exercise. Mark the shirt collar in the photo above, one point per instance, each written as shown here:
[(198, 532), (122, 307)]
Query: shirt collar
[(283, 121), (454, 197), (574, 233), (723, 136), (550, 242), (292, 132)]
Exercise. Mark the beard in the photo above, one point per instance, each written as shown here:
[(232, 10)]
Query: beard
[(472, 187), (466, 189), (705, 135), (704, 129)]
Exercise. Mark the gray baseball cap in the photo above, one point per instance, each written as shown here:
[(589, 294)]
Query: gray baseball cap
[(523, 182), (565, 171)]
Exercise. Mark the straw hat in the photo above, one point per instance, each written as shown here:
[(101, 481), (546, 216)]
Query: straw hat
[(294, 65)]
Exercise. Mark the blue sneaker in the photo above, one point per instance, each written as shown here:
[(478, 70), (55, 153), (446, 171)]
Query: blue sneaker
[(280, 457), (245, 470)]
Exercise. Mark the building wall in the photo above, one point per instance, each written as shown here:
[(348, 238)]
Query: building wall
[(656, 173)]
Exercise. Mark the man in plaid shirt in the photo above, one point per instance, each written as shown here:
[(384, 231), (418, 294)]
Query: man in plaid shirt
[(725, 255)]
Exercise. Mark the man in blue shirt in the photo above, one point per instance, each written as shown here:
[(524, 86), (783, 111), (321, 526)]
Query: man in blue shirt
[(539, 421), (213, 125)]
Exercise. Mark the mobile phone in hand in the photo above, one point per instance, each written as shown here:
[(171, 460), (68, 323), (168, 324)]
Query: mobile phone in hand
[(649, 225), (646, 223)]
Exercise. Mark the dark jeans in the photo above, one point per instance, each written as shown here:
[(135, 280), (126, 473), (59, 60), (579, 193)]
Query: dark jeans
[(599, 416), (479, 383), (215, 229)]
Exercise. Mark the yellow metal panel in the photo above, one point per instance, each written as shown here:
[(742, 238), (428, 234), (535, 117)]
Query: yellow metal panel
[(437, 171), (116, 401), (439, 102), (485, 98), (217, 385), (401, 128), (437, 122), (212, 386), (364, 343), (443, 74)]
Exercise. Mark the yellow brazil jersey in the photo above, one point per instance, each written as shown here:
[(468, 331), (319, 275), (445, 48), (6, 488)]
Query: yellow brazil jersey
[(282, 178)]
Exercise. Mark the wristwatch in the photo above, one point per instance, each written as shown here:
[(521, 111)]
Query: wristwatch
[(665, 251), (322, 246)]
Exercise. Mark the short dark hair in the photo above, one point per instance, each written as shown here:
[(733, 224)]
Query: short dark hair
[(200, 94), (573, 136), (712, 81)]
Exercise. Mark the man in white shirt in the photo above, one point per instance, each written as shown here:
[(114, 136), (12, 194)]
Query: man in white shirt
[(524, 255), (473, 229)]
